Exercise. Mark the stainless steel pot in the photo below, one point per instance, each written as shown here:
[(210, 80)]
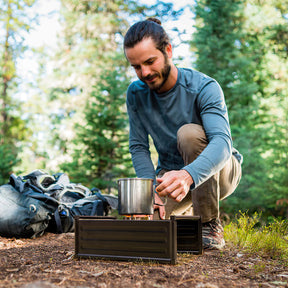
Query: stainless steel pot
[(135, 196)]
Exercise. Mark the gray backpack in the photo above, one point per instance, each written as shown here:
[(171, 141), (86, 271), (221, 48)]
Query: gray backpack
[(23, 214), (39, 202)]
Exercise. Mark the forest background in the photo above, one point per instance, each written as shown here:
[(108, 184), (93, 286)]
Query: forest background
[(66, 113)]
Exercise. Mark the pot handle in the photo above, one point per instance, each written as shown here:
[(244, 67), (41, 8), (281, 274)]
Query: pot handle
[(165, 198)]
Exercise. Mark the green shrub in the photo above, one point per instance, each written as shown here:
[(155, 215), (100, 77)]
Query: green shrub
[(252, 236)]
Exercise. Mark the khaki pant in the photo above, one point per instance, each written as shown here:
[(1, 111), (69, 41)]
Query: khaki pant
[(204, 200)]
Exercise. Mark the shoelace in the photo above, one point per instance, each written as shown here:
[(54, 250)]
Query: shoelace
[(211, 228)]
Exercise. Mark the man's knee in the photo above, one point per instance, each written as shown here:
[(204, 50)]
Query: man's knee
[(192, 141), (191, 132)]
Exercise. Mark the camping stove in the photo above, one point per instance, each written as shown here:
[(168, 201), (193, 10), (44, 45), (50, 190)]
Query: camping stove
[(131, 239), (137, 236)]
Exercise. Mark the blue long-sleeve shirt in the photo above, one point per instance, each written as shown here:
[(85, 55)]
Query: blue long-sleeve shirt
[(195, 98)]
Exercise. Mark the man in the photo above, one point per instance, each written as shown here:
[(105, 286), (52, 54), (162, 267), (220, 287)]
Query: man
[(184, 112)]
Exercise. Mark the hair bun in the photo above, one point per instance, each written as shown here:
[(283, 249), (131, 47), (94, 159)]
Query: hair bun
[(154, 20)]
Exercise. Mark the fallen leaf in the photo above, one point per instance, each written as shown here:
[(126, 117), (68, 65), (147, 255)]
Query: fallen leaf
[(12, 269)]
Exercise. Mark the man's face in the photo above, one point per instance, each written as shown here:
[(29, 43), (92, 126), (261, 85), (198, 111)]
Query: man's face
[(150, 64)]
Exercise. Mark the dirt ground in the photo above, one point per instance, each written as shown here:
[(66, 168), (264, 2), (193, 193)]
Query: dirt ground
[(49, 261)]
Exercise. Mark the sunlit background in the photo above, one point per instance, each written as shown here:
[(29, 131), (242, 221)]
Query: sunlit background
[(63, 81)]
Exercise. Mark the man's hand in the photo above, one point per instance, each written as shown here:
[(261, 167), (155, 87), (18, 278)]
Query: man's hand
[(160, 207), (174, 184)]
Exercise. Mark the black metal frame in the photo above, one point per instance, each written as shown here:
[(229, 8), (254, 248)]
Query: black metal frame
[(152, 240), (189, 234)]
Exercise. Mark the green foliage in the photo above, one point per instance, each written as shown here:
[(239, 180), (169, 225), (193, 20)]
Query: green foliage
[(15, 22), (8, 160), (235, 44), (249, 235), (78, 119), (87, 44), (101, 154), (89, 84)]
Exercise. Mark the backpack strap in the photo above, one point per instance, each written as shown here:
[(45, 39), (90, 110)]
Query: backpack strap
[(97, 208), (97, 192), (58, 221), (105, 204), (63, 219)]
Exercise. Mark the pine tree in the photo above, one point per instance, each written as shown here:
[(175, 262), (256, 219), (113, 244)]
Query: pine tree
[(233, 45), (88, 87), (101, 154), (13, 129)]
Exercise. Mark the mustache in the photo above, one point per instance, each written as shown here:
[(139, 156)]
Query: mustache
[(149, 77)]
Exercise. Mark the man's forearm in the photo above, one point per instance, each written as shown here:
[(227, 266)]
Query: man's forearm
[(143, 164)]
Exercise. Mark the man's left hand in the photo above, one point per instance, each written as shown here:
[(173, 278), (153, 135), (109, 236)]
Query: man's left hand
[(174, 184)]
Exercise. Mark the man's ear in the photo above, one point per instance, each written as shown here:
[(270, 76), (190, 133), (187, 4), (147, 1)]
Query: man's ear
[(169, 50)]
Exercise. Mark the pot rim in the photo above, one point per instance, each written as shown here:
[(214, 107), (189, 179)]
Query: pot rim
[(129, 179)]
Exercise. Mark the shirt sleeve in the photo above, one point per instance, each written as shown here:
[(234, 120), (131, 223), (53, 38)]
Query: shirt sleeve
[(138, 141), (214, 116)]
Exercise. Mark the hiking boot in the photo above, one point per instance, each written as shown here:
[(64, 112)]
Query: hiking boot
[(213, 235)]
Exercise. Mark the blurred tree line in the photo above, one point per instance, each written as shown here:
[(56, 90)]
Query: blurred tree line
[(75, 121), (13, 129), (244, 45)]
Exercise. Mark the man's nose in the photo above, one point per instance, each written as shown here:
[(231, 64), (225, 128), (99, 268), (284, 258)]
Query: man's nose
[(145, 70)]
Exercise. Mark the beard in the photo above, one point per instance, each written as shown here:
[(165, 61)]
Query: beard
[(164, 74)]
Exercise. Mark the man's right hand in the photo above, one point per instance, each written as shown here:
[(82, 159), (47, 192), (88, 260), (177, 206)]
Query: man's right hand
[(174, 184), (160, 207)]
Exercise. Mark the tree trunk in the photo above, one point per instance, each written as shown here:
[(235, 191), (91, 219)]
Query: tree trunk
[(6, 79)]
